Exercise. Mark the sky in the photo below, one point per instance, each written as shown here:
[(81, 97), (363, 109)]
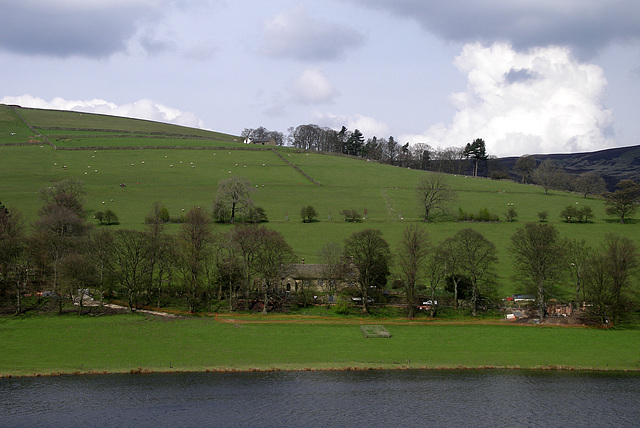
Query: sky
[(526, 76)]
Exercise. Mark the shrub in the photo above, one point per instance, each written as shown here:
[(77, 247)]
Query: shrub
[(350, 215), (257, 215), (483, 215), (542, 215), (586, 214), (110, 217), (511, 214), (500, 175), (572, 213), (308, 214)]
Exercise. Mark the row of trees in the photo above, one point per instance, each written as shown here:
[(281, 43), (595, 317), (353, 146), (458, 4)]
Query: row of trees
[(471, 158)]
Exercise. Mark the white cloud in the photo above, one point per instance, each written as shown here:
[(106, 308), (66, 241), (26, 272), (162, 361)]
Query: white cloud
[(539, 101), (313, 87), (295, 34), (141, 109), (369, 126)]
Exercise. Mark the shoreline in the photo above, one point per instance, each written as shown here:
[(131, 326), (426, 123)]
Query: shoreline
[(221, 370)]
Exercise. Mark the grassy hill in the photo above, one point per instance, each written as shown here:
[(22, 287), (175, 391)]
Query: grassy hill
[(181, 168)]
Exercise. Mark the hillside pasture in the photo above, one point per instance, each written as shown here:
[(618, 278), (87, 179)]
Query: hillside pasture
[(185, 178)]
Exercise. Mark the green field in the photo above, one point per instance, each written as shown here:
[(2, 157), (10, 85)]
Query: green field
[(184, 177), (72, 344)]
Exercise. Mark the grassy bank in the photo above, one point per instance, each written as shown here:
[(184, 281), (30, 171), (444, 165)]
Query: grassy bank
[(71, 344)]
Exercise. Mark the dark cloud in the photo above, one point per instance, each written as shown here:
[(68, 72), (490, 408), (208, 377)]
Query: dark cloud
[(585, 25), (296, 35), (519, 76), (62, 29)]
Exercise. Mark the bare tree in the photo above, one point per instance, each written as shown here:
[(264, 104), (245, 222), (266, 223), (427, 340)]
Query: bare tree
[(194, 254), (371, 256), (538, 258), (413, 252), (14, 266), (331, 256), (78, 274), (273, 259), (131, 252), (590, 183), (577, 259), (546, 175), (232, 199), (433, 192)]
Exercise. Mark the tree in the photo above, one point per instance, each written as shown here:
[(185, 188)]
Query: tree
[(232, 199), (131, 252), (354, 144), (449, 259), (391, 151), (538, 258), (433, 192), (333, 267), (570, 213), (476, 151), (99, 215), (308, 213), (61, 222), (273, 257), (590, 183), (246, 243), (611, 276), (78, 273), (195, 252), (624, 201), (371, 256), (261, 133), (577, 260), (14, 267), (157, 217), (350, 215), (477, 257), (436, 272), (101, 249), (413, 254), (110, 217), (546, 175), (525, 166)]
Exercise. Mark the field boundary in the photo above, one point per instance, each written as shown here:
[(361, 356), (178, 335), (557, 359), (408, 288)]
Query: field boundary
[(32, 128), (297, 168)]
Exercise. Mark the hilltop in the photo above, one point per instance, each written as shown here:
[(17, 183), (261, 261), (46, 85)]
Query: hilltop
[(613, 165)]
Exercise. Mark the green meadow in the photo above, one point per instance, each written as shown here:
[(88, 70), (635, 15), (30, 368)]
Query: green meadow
[(184, 177), (125, 343)]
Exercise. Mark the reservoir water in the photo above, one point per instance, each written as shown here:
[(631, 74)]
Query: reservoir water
[(325, 399)]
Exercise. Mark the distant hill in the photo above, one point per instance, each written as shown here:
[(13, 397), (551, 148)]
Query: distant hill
[(612, 164)]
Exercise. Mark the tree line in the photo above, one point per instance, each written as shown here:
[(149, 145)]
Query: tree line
[(243, 267), (470, 158)]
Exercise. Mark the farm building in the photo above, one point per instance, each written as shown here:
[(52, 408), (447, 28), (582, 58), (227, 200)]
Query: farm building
[(316, 276), (261, 141)]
